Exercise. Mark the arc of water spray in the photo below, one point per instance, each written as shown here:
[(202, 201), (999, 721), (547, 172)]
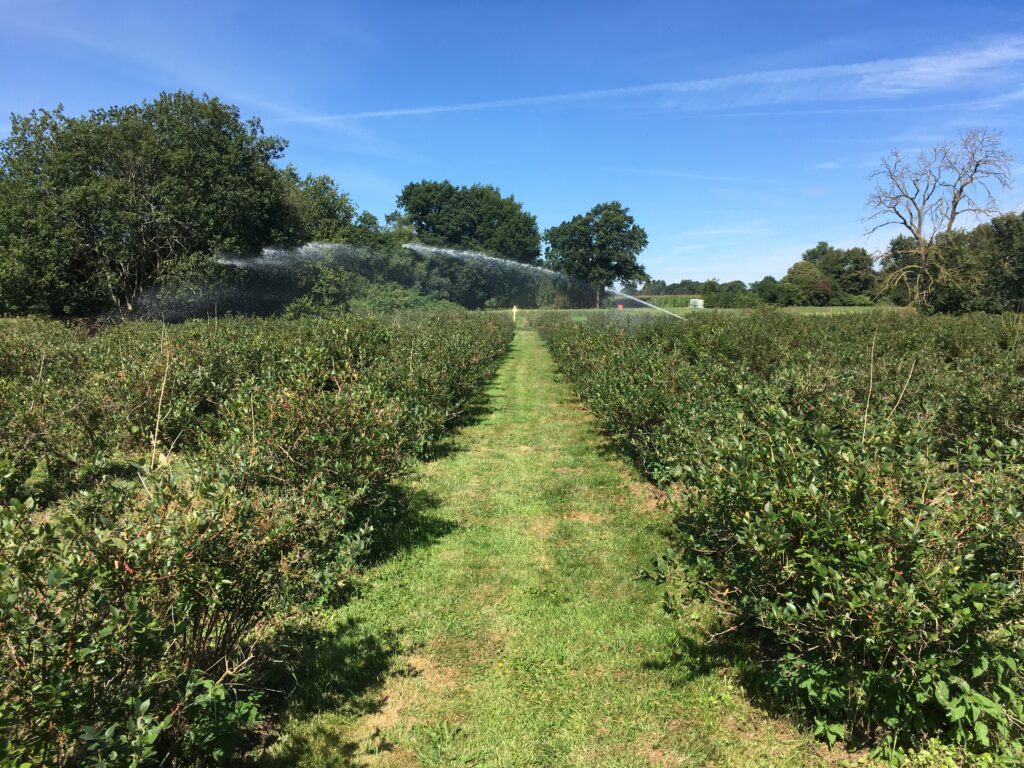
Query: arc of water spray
[(462, 255), (456, 253), (645, 303), (277, 258)]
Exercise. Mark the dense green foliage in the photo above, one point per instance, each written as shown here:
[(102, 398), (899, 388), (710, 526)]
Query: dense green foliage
[(978, 270), (965, 271), (99, 212), (731, 295), (476, 217), (314, 209), (169, 492), (334, 278), (599, 247), (95, 209), (850, 493)]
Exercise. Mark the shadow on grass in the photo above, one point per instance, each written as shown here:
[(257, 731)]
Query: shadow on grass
[(407, 521), (695, 655), (330, 663), (475, 412), (333, 667), (744, 657)]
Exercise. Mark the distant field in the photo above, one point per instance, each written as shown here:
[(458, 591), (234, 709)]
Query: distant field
[(580, 314), (682, 301), (671, 300), (846, 310)]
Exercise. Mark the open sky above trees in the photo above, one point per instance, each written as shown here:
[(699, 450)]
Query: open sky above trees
[(736, 146)]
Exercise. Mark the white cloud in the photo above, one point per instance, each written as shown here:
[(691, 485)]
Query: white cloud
[(1001, 100), (879, 79)]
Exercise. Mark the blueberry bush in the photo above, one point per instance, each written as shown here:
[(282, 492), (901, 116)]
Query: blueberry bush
[(848, 493), (168, 492)]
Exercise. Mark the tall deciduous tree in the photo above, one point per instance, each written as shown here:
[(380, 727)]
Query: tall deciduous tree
[(805, 283), (476, 217), (598, 247), (315, 209), (767, 289), (926, 194), (850, 269), (1005, 260), (95, 209), (983, 269)]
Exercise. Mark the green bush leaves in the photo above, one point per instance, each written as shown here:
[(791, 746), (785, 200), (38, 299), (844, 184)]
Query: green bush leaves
[(849, 493), (180, 488)]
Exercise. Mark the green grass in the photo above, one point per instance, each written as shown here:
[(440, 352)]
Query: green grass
[(510, 630)]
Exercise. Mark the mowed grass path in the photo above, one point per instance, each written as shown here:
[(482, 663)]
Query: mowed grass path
[(514, 633)]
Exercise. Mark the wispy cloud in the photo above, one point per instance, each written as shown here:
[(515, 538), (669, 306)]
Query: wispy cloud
[(878, 79), (673, 174), (829, 165), (191, 74), (1002, 99)]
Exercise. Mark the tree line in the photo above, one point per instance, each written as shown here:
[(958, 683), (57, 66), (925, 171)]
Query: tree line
[(967, 270), (934, 264), (98, 210), (824, 275)]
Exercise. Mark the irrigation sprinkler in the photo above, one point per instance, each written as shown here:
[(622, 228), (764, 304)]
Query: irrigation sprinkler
[(645, 303)]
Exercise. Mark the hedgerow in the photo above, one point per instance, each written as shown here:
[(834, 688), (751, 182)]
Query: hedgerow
[(170, 492), (848, 493)]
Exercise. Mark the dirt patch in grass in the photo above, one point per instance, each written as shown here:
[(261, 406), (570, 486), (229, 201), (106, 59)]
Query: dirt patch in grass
[(541, 526), (591, 518), (646, 498), (421, 678), (661, 758), (573, 471)]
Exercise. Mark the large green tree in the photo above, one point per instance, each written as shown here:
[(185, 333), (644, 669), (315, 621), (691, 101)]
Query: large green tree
[(96, 209), (315, 209), (851, 270), (1005, 263), (970, 271), (477, 217), (806, 283), (768, 290), (598, 247)]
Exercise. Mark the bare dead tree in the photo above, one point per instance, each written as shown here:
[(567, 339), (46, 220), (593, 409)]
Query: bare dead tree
[(926, 194)]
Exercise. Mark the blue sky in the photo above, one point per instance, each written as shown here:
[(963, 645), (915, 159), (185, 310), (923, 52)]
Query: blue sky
[(738, 133)]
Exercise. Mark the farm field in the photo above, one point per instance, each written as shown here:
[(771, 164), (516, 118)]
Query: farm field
[(511, 385), (847, 493), (685, 308), (177, 499), (657, 314), (513, 632), (603, 538)]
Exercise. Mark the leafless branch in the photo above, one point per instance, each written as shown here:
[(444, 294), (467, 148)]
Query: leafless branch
[(925, 195)]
